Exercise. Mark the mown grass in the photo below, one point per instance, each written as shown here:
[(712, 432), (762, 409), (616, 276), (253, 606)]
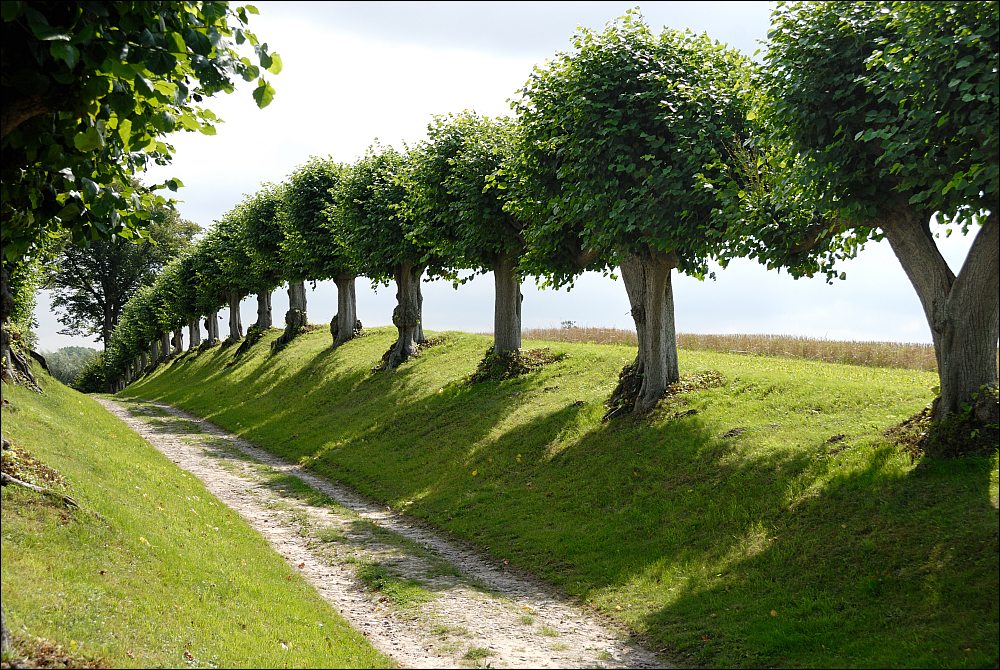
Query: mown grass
[(910, 355), (763, 522), (151, 570)]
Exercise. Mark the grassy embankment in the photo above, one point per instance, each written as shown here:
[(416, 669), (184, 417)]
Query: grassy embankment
[(762, 522), (151, 570)]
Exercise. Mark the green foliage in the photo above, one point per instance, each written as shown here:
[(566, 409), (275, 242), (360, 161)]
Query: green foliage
[(775, 490), (371, 218), (66, 363), (457, 181), (91, 90), (262, 235), (310, 249), (881, 105), (90, 284), (617, 135), (94, 376)]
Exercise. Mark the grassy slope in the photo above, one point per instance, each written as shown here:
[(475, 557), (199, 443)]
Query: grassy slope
[(771, 547), (151, 566)]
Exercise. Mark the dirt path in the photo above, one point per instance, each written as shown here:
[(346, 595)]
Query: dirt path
[(420, 599)]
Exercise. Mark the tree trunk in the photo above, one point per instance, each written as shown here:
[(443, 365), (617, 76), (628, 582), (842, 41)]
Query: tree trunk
[(107, 325), (264, 318), (164, 346), (295, 317), (235, 322), (5, 645), (650, 292), (6, 309), (212, 327), (154, 354), (963, 312), (506, 305), (345, 324), (194, 334), (178, 341), (407, 316)]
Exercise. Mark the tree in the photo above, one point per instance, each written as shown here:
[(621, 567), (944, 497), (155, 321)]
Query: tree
[(66, 363), (91, 283), (617, 139), (458, 188), (888, 111), (371, 219), (311, 251), (91, 90), (260, 219)]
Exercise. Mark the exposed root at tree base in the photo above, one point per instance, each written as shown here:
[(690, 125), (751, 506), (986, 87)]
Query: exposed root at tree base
[(954, 437), (623, 398), (38, 652), (386, 362), (253, 336), (510, 364), (21, 465)]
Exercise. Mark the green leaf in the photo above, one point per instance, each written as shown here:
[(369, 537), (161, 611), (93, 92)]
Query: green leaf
[(263, 94), (65, 52), (89, 140), (10, 10), (276, 65)]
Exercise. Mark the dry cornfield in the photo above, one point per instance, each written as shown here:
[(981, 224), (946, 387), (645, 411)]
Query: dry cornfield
[(914, 356)]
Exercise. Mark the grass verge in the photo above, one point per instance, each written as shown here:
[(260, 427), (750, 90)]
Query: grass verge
[(761, 521), (151, 570)]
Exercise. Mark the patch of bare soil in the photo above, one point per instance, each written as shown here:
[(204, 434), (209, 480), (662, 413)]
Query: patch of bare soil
[(418, 597)]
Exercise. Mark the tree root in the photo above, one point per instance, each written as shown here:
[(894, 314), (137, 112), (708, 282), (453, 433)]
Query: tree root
[(62, 497)]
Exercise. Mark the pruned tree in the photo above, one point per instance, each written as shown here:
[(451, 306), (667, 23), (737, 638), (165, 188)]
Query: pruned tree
[(259, 216), (370, 218), (888, 112), (458, 187), (311, 251), (617, 136)]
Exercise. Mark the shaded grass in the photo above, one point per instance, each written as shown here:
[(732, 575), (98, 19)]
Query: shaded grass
[(763, 521), (151, 571)]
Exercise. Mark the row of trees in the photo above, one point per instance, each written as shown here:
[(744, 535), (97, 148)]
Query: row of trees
[(653, 153)]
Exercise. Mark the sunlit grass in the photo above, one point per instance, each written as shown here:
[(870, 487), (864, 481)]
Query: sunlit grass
[(763, 522), (152, 570)]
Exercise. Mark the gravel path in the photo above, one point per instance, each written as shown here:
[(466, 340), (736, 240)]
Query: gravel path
[(418, 598)]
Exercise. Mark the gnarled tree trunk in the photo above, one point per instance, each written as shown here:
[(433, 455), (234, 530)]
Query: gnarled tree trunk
[(194, 334), (164, 347), (507, 304), (154, 353), (650, 293), (235, 322), (963, 312), (407, 316), (178, 341), (212, 327), (296, 317), (345, 324), (264, 318)]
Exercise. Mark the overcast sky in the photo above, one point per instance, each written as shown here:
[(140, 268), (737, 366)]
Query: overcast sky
[(357, 71)]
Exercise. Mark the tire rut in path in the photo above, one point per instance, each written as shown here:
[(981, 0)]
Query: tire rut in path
[(419, 598)]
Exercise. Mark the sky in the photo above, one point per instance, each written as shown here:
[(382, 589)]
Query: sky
[(359, 71)]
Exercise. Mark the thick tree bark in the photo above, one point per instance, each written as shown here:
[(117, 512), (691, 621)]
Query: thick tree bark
[(407, 316), (154, 354), (507, 305), (235, 322), (963, 312), (178, 341), (650, 292), (345, 324), (296, 317), (264, 317), (212, 327), (164, 346), (6, 309), (194, 334)]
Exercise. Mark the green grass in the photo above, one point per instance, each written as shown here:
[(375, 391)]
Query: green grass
[(403, 593), (764, 522), (152, 570)]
